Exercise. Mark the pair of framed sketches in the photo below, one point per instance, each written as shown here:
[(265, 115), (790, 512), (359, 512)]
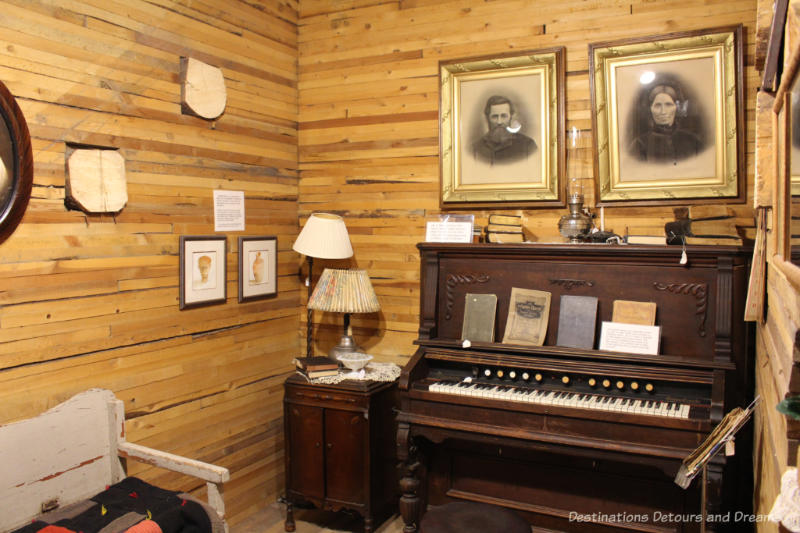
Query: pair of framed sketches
[(203, 269), (666, 116)]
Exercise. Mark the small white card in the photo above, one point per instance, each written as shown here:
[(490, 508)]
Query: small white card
[(448, 232), (630, 338)]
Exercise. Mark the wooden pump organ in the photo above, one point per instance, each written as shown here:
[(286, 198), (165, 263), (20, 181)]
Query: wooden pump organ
[(579, 439)]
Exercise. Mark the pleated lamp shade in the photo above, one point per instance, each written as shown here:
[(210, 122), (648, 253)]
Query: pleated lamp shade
[(344, 291), (324, 236)]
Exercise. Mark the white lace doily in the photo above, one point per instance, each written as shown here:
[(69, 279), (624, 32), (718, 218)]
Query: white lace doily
[(786, 508), (372, 372)]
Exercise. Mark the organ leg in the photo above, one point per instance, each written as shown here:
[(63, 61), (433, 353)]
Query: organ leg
[(410, 502)]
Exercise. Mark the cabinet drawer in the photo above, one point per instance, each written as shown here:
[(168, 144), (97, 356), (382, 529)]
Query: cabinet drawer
[(329, 398)]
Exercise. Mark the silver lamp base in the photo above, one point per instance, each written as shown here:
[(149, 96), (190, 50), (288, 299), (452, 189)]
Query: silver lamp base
[(346, 345)]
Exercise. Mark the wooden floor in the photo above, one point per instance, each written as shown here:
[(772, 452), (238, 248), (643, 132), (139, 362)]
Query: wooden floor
[(270, 520)]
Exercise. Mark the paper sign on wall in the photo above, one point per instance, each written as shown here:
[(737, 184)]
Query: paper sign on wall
[(228, 210)]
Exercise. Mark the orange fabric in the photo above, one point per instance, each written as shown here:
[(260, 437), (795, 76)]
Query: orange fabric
[(145, 526)]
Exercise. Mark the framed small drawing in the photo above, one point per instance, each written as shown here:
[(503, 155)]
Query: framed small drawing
[(258, 264), (202, 270), (501, 135), (667, 116)]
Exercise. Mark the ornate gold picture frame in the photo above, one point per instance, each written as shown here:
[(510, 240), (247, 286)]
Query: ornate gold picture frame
[(666, 112), (501, 134)]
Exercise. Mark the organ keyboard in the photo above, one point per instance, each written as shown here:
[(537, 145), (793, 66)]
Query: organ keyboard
[(549, 430), (576, 400)]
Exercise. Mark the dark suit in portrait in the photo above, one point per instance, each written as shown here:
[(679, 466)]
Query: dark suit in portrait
[(502, 143)]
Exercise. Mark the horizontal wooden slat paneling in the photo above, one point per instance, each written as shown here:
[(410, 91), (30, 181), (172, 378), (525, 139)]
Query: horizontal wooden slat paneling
[(368, 129), (92, 300)]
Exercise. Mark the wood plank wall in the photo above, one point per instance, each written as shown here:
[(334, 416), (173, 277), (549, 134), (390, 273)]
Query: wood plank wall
[(368, 139), (92, 301), (776, 336)]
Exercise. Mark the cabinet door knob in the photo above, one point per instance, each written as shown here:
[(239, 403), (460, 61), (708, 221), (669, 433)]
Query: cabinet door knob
[(316, 444), (330, 445)]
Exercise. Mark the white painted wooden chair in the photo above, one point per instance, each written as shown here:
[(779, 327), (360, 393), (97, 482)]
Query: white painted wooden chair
[(72, 452)]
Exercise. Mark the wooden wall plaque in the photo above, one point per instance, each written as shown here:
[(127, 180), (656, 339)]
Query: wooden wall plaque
[(202, 89), (96, 181)]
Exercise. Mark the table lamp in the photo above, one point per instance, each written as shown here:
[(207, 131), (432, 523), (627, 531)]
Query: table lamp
[(344, 291), (324, 236)]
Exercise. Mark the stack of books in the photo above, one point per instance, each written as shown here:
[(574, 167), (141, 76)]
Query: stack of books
[(317, 367), (711, 224), (504, 228)]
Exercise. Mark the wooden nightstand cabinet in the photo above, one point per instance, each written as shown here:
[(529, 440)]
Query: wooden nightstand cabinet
[(340, 450)]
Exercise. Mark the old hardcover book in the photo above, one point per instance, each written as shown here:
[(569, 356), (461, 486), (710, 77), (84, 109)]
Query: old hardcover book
[(577, 317), (494, 236), (479, 315), (502, 228), (630, 312), (720, 240), (321, 373), (528, 314), (312, 364), (714, 228), (506, 220), (645, 239)]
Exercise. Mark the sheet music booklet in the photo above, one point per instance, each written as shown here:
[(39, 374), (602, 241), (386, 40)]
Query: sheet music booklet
[(719, 437)]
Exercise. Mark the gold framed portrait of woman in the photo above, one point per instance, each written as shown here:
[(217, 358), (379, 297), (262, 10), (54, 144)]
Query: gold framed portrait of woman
[(666, 112)]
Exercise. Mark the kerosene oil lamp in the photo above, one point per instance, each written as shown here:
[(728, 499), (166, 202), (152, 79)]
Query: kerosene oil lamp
[(576, 223)]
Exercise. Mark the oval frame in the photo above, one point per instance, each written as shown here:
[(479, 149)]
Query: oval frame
[(13, 209)]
